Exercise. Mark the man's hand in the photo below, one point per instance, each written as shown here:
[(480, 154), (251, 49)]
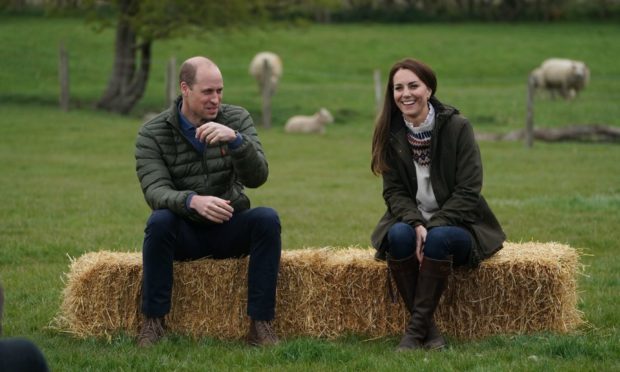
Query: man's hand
[(213, 133), (212, 208)]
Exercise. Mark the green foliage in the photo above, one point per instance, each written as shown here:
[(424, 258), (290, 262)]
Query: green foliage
[(480, 10), (156, 19), (69, 186)]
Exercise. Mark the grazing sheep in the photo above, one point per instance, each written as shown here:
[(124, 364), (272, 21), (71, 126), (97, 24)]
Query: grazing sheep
[(563, 76), (537, 78), (257, 68), (309, 124)]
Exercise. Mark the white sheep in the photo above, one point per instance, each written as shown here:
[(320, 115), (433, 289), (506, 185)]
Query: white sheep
[(309, 124), (537, 78), (257, 68), (563, 76)]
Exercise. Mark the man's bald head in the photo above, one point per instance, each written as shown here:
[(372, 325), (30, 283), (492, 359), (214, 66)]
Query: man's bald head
[(191, 65)]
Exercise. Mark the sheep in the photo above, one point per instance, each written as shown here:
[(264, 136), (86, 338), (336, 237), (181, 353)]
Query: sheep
[(564, 76), (567, 77), (257, 68), (309, 124), (537, 78)]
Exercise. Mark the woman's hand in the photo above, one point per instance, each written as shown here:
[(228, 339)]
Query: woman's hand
[(420, 239)]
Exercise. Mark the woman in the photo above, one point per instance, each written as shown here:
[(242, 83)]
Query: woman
[(432, 175)]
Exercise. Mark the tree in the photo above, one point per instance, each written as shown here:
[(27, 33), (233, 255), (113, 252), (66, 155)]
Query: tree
[(141, 22)]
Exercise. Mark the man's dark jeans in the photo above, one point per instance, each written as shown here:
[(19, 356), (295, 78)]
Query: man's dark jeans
[(168, 237)]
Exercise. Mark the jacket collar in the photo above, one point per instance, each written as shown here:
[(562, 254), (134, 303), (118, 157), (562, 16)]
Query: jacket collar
[(172, 117), (442, 112), (173, 113), (398, 139)]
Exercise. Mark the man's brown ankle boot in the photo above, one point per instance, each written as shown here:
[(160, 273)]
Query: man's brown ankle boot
[(152, 331), (261, 333)]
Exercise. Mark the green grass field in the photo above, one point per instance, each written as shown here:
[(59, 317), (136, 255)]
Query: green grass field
[(68, 184)]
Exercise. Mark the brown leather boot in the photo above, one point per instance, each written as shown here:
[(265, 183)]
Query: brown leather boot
[(152, 331), (405, 273), (434, 340), (431, 284), (261, 333)]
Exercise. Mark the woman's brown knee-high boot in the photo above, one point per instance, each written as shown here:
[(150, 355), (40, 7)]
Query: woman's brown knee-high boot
[(405, 274), (432, 281)]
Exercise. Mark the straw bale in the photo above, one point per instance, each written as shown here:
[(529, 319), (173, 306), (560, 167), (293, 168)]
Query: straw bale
[(525, 287), (328, 292)]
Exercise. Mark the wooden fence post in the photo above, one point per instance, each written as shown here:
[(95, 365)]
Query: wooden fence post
[(377, 81), (267, 92), (171, 81), (529, 120), (63, 77)]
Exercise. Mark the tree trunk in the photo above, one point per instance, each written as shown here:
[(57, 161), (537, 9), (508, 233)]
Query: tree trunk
[(579, 133), (132, 63)]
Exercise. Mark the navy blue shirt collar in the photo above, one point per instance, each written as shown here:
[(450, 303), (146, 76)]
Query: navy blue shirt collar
[(189, 131)]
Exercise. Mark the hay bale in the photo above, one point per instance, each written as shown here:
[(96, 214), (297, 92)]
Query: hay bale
[(328, 292), (524, 288)]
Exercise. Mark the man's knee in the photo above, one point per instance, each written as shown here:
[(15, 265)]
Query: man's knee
[(267, 217), (265, 232), (161, 219), (160, 232), (266, 213)]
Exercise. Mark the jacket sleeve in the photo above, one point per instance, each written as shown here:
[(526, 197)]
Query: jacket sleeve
[(461, 206), (249, 160), (155, 180), (400, 203)]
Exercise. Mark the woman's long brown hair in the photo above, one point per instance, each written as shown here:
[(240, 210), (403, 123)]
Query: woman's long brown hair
[(380, 139)]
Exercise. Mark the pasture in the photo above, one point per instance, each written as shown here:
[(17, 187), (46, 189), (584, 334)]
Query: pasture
[(68, 184)]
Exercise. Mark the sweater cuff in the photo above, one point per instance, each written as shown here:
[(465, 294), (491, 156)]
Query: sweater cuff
[(188, 201), (236, 142)]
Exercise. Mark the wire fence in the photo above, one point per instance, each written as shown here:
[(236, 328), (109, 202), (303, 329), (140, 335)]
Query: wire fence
[(368, 82)]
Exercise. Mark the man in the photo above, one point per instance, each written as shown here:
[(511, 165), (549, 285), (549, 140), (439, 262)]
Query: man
[(193, 161)]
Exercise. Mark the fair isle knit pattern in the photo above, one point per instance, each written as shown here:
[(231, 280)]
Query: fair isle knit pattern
[(421, 147), (420, 138)]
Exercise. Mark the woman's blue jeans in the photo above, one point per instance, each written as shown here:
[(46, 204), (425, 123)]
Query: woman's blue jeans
[(168, 237), (441, 242)]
